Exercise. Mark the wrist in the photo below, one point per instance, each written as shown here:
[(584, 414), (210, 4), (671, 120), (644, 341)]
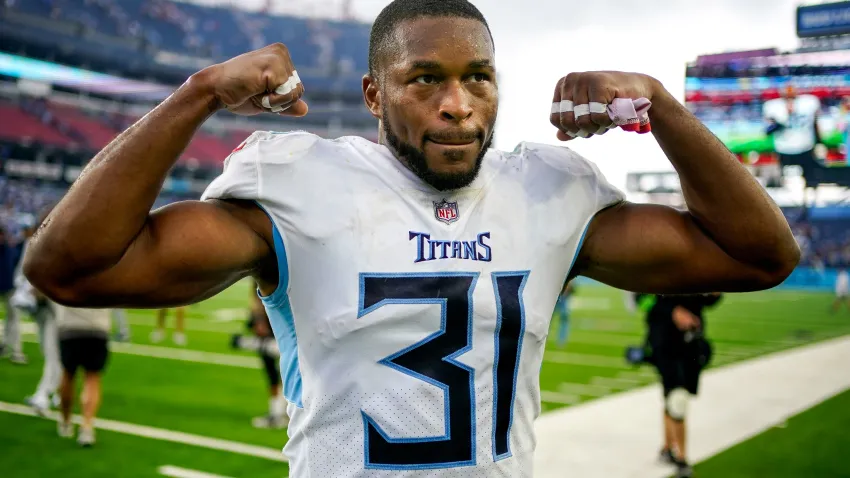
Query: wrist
[(658, 94), (663, 103), (201, 87)]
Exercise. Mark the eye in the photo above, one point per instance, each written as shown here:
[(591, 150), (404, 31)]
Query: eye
[(426, 79), (479, 77)]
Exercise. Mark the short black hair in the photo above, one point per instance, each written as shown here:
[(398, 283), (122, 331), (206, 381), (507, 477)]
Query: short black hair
[(402, 10)]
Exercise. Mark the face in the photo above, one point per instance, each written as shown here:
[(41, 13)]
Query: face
[(436, 97), (790, 93)]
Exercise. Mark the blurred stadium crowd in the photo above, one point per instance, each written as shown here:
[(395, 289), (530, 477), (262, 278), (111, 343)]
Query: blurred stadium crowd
[(110, 61)]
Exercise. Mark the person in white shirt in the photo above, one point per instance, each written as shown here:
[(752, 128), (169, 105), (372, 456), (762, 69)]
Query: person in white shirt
[(793, 123), (83, 344), (842, 290)]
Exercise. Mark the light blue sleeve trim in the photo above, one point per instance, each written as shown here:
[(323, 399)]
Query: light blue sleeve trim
[(279, 296)]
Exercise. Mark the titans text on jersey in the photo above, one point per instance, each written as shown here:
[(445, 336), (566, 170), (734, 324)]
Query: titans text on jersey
[(428, 249)]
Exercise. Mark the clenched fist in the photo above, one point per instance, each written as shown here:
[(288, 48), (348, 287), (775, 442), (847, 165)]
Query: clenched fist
[(580, 107), (259, 81)]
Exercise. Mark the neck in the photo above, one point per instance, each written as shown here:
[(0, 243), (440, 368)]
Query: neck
[(383, 141), (382, 136)]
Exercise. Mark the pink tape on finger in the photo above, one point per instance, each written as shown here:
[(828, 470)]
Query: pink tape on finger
[(631, 115)]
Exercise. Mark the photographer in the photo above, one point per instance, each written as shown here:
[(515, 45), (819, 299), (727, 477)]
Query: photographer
[(677, 347)]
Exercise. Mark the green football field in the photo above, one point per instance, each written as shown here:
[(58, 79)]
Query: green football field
[(209, 393)]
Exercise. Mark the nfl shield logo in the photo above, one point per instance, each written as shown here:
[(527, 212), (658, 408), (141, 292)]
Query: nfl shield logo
[(445, 211)]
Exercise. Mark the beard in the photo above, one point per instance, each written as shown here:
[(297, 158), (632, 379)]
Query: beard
[(416, 161)]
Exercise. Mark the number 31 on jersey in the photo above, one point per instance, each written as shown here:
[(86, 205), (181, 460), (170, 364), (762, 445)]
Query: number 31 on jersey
[(433, 360)]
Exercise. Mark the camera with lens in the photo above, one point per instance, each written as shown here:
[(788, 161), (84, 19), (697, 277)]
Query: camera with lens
[(250, 343), (639, 354)]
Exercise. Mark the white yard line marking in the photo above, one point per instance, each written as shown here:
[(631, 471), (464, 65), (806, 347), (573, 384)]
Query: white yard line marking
[(584, 389), (199, 325), (618, 382), (230, 315), (607, 325), (160, 434), (186, 355), (606, 339), (735, 353), (590, 303), (183, 355), (558, 397), (571, 358), (177, 472)]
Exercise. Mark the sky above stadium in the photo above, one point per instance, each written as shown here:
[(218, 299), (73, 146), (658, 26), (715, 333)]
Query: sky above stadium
[(539, 41)]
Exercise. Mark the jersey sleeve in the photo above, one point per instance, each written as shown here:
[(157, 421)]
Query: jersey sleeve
[(605, 193), (582, 188), (262, 167), (239, 179)]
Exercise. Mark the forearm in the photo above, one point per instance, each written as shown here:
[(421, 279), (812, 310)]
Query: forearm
[(107, 207), (722, 196)]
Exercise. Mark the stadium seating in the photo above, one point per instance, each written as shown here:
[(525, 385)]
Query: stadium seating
[(322, 49), (17, 124), (96, 132), (823, 234), (210, 150), (140, 39)]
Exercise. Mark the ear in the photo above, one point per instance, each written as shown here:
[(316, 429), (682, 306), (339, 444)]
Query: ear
[(372, 96)]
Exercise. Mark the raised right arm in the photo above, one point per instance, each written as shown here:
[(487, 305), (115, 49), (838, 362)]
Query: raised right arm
[(102, 247)]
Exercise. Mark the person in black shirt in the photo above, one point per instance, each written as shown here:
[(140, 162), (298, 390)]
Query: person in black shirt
[(678, 348)]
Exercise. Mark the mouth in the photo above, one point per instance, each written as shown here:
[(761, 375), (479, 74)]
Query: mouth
[(456, 141)]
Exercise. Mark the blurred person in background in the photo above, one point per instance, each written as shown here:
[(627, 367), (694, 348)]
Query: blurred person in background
[(270, 355), (83, 344), (179, 335), (26, 300), (677, 347), (842, 290), (562, 311), (121, 321), (41, 310), (793, 123), (843, 125), (263, 342), (11, 346)]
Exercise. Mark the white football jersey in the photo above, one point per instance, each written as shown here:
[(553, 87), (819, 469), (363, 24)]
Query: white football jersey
[(412, 322)]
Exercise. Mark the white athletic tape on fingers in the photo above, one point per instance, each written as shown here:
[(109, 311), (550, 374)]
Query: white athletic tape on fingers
[(566, 106), (570, 134), (278, 109), (596, 107), (289, 85), (581, 110), (556, 108), (266, 103), (285, 88), (602, 130), (582, 134)]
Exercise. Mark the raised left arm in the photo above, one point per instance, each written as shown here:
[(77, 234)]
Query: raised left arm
[(733, 237)]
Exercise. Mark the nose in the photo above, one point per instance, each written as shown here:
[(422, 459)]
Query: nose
[(454, 104)]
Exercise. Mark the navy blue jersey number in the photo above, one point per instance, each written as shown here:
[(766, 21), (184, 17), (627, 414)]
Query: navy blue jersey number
[(433, 360)]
